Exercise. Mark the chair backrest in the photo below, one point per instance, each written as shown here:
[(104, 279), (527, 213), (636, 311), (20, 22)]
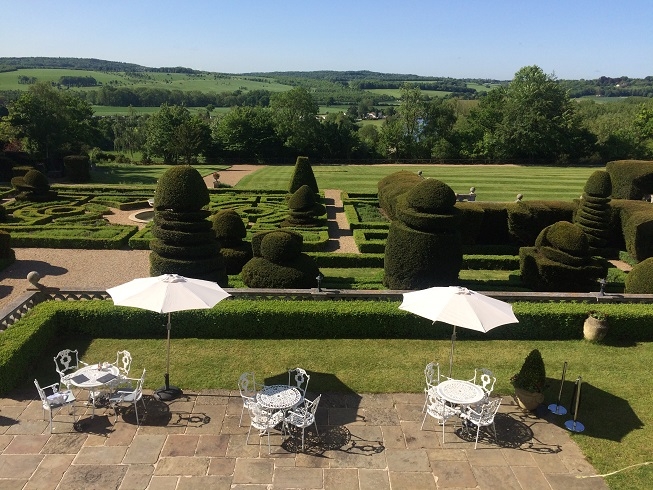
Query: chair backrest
[(138, 391), (247, 385), (123, 362), (435, 404), (487, 381), (311, 406), (300, 377), (488, 411), (66, 360), (432, 373), (41, 391)]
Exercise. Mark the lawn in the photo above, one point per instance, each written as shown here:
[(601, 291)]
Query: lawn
[(615, 408), (492, 182), (115, 173)]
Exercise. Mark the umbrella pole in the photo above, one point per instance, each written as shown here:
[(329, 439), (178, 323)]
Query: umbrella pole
[(453, 343), (168, 392)]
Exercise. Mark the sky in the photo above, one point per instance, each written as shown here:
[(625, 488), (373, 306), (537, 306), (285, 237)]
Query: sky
[(569, 39)]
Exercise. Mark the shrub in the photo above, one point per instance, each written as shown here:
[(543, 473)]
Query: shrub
[(532, 375), (636, 227), (631, 179), (393, 186), (304, 209), (5, 244), (527, 219), (78, 168), (561, 261), (640, 279), (33, 186), (302, 175), (594, 214), (184, 241)]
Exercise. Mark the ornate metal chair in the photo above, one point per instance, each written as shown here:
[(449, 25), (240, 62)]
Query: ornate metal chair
[(483, 418), (129, 396), (66, 363), (485, 378), (56, 400), (432, 376), (247, 387), (437, 408), (263, 420), (304, 416), (301, 379)]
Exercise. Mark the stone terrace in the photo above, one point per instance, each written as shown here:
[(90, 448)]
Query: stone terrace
[(365, 442)]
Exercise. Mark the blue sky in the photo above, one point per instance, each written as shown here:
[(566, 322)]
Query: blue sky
[(570, 39)]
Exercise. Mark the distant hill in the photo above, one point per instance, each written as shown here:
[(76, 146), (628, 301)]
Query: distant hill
[(10, 64)]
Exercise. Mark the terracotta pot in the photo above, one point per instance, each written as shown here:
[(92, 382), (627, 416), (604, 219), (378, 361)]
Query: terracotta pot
[(594, 329), (528, 400)]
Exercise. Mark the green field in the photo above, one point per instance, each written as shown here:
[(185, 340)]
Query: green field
[(170, 81), (492, 182)]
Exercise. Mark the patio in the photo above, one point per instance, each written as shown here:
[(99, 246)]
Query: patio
[(366, 441)]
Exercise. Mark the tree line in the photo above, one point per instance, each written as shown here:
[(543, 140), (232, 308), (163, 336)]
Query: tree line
[(532, 119)]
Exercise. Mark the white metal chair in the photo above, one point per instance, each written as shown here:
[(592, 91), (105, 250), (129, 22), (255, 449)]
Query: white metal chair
[(485, 378), (263, 420), (130, 396), (123, 362), (66, 362), (247, 387), (56, 400), (301, 379), (437, 408), (432, 376), (304, 416), (483, 418)]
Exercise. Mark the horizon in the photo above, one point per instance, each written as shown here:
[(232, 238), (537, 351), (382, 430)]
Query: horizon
[(474, 40)]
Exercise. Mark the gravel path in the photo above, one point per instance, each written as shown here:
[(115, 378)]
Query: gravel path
[(101, 269)]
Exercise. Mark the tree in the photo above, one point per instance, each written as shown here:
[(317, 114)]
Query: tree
[(54, 123), (295, 117), (247, 133), (173, 134)]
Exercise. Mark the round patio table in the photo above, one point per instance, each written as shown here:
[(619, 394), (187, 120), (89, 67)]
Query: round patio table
[(278, 397), (460, 392)]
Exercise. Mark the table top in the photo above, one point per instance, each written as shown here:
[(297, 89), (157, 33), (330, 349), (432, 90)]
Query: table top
[(91, 377), (278, 397), (460, 392)]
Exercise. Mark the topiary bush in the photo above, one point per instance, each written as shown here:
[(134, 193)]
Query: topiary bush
[(526, 219), (424, 246), (304, 209), (640, 279), (561, 261), (631, 179), (594, 213), (78, 168), (184, 242), (303, 175), (230, 231), (33, 186), (278, 262)]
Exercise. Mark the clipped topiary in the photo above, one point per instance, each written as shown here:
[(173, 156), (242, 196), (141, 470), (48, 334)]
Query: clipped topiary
[(184, 242), (7, 254), (561, 261), (303, 175), (181, 188), (640, 279), (33, 186), (230, 231), (304, 209), (78, 168), (424, 245), (278, 262), (594, 213)]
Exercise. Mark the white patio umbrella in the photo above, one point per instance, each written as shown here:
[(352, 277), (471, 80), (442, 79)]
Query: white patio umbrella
[(459, 307), (165, 294)]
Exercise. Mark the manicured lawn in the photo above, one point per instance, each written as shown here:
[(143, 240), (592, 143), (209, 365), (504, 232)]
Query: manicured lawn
[(615, 404), (492, 182), (115, 173)]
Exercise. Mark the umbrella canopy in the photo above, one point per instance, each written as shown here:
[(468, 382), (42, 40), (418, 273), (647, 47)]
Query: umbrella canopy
[(460, 307), (165, 294)]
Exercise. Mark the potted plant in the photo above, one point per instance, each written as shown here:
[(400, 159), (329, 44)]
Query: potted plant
[(596, 326), (530, 381)]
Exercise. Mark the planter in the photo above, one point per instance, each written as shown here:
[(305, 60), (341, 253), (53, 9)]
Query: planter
[(528, 400), (594, 329)]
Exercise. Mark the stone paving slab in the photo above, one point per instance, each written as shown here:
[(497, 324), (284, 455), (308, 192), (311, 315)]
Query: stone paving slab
[(373, 442)]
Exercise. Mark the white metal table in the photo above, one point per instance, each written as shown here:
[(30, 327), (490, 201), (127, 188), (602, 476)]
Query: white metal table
[(93, 377), (278, 397), (460, 392)]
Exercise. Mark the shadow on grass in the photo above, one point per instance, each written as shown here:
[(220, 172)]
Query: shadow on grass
[(604, 415)]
